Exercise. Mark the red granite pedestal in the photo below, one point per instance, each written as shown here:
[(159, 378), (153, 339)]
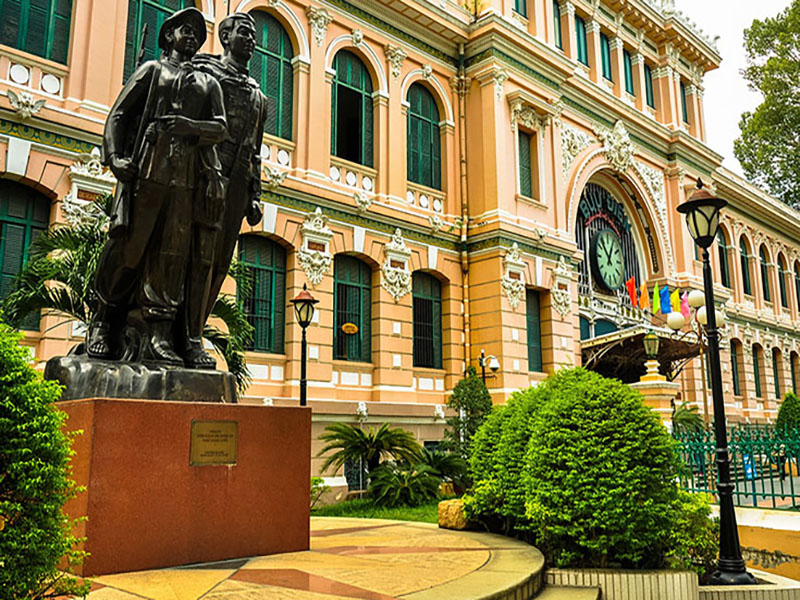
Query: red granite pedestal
[(148, 507)]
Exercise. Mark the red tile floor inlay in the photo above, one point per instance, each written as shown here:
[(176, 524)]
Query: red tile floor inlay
[(300, 580), (353, 550), (327, 532)]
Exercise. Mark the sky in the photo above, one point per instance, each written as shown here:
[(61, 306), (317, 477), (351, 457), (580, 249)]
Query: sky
[(726, 93)]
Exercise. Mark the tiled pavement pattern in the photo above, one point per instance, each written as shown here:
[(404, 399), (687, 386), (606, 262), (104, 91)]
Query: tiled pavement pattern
[(352, 559)]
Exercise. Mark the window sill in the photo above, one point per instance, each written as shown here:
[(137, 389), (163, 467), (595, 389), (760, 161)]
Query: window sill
[(532, 202), (352, 364), (33, 60)]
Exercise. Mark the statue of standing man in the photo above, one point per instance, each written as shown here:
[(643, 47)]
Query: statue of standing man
[(159, 141), (240, 153)]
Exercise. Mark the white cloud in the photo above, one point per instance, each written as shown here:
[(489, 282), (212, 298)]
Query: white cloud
[(726, 93)]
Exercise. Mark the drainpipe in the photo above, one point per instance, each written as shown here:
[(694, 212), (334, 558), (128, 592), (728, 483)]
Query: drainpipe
[(462, 149)]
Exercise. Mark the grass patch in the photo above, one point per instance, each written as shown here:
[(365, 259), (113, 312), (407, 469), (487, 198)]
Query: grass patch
[(364, 509)]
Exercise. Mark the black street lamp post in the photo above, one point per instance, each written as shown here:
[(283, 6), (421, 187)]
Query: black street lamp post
[(304, 310), (493, 363), (702, 218)]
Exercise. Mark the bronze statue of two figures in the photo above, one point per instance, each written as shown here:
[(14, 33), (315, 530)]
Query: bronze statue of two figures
[(184, 141)]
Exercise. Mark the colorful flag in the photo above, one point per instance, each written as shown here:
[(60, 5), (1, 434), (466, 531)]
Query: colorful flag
[(687, 314), (631, 285), (675, 301), (665, 308), (656, 296), (644, 300)]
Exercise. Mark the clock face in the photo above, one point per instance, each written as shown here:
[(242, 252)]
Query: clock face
[(608, 262)]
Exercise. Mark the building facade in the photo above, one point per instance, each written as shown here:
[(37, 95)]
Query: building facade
[(440, 177)]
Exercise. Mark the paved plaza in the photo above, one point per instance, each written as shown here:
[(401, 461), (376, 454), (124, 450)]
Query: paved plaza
[(366, 559)]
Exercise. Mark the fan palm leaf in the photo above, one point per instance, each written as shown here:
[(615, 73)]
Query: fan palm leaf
[(349, 442)]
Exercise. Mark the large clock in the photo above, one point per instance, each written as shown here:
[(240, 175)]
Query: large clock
[(608, 262)]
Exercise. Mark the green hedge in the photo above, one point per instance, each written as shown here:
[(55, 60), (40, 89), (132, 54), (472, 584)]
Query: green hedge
[(34, 482), (584, 470)]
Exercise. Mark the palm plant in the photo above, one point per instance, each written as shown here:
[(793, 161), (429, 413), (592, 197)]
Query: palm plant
[(351, 443), (395, 485), (445, 465), (687, 419), (58, 276)]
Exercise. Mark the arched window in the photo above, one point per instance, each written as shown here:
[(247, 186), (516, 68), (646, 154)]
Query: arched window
[(794, 365), (764, 274), (602, 327), (757, 356), (271, 65), (724, 267), (782, 282), (40, 27), (557, 24), (580, 39), (263, 296), (351, 110), (23, 214), (776, 371), (605, 56), (424, 140), (747, 288), (735, 354), (153, 13), (627, 61), (352, 304), (427, 299)]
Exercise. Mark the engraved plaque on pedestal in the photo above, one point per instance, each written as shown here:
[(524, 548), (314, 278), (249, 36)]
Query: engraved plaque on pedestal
[(213, 443)]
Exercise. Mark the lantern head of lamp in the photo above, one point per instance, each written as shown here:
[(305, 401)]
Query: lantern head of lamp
[(651, 343), (304, 307), (702, 215), (494, 364)]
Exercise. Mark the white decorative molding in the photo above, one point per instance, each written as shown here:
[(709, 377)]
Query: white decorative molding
[(526, 115), (396, 275), (560, 289), (357, 36), (24, 104), (363, 201), (319, 18), (438, 412), (513, 279), (436, 223), (427, 71), (617, 146), (82, 212), (362, 413), (395, 55), (273, 177), (573, 142), (89, 167), (500, 76), (314, 255)]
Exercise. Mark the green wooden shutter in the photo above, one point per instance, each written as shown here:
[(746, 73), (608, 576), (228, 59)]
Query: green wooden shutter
[(737, 391), (746, 287), (756, 372), (10, 16), (764, 276), (366, 315), (776, 374), (605, 55), (797, 285), (793, 369), (265, 305), (724, 268), (684, 108), (648, 86), (353, 304), (334, 109), (532, 309), (423, 138), (40, 27), (580, 35), (271, 66), (782, 283), (427, 316), (153, 13), (368, 124), (557, 24), (521, 7), (525, 179), (628, 60)]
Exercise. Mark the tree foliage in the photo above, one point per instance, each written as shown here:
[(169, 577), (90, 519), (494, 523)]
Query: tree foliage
[(471, 403), (686, 418), (770, 135), (350, 442), (788, 414), (34, 481), (58, 280)]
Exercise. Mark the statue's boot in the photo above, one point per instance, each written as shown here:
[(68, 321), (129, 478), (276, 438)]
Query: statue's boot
[(196, 357), (98, 340), (160, 348)]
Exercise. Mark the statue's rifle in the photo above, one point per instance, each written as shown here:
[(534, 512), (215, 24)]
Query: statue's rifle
[(142, 40)]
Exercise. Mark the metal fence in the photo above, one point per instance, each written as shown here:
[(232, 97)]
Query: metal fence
[(764, 465)]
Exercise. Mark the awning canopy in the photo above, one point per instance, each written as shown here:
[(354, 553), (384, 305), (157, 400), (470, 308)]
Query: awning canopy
[(620, 354)]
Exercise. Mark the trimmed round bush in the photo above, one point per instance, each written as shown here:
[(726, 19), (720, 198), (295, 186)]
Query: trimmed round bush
[(34, 482), (599, 476), (788, 413)]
